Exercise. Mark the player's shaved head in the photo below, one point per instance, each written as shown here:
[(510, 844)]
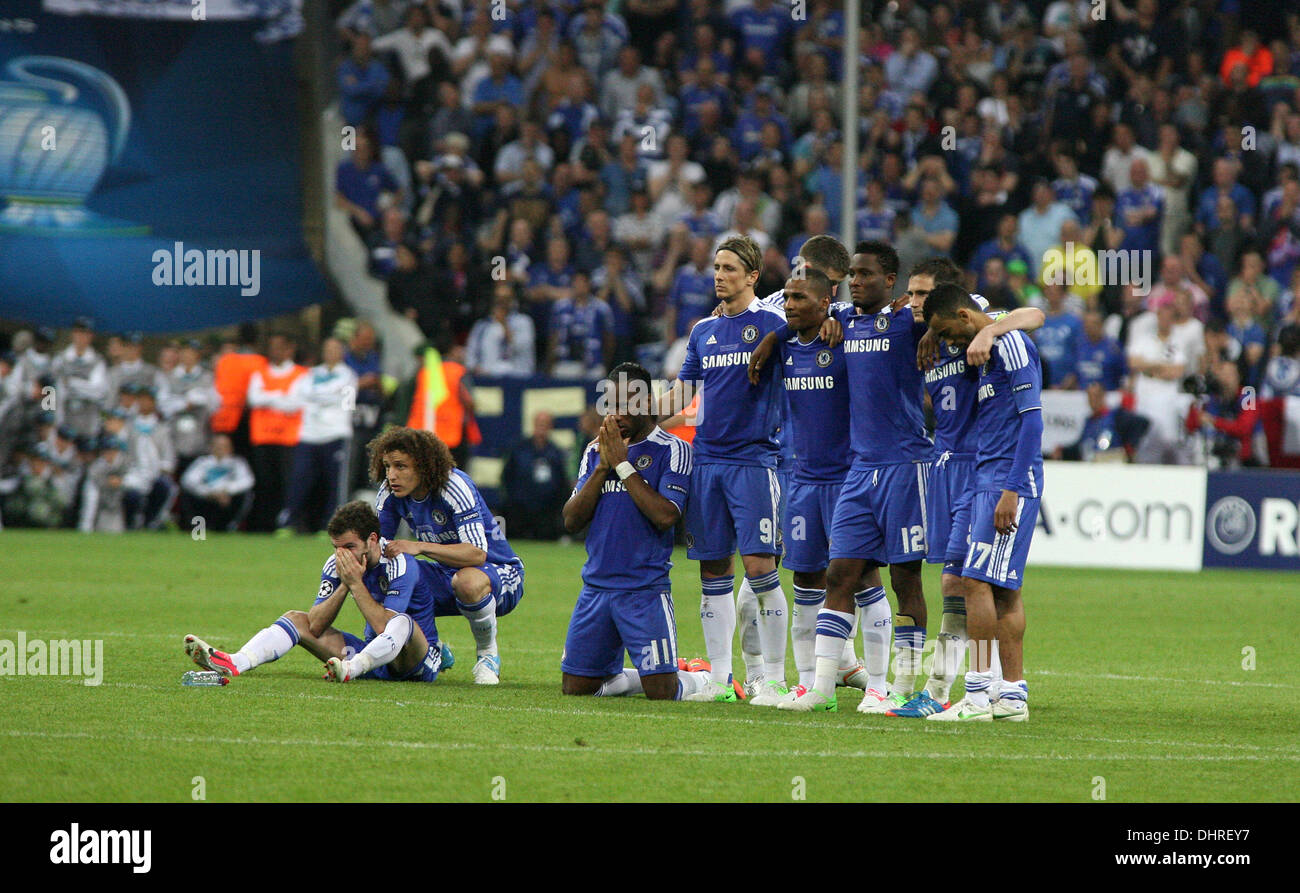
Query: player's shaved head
[(825, 253), (627, 396), (946, 300)]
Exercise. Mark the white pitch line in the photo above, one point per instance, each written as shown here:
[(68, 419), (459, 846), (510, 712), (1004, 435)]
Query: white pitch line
[(72, 634), (911, 728), (316, 743)]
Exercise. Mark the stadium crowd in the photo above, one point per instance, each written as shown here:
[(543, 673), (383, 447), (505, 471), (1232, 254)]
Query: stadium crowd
[(542, 185)]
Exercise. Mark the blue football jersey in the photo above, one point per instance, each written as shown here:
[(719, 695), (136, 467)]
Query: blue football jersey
[(785, 436), (396, 583), (1011, 383), (817, 404), (624, 550), (887, 420), (737, 423), (457, 514), (952, 388)]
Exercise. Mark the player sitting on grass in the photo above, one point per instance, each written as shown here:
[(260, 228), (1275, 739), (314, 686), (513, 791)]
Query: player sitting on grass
[(401, 641), (626, 601), (1002, 509), (473, 571)]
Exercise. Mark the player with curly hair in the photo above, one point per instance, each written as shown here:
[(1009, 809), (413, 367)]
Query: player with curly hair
[(474, 571)]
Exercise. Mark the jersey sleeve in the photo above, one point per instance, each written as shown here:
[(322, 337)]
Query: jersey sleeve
[(329, 581), (690, 370), (401, 584), (387, 511), (1019, 357), (469, 521), (675, 482), (590, 459)]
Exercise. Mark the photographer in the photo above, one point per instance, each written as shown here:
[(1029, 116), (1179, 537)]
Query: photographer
[(1228, 414)]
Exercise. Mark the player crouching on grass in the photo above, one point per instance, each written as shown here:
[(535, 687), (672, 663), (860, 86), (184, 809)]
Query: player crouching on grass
[(1002, 509), (472, 571), (401, 641), (632, 487)]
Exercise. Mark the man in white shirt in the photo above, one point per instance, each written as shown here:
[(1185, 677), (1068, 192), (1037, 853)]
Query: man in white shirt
[(1158, 365), (1117, 163), (81, 381), (217, 487), (327, 394), (503, 345), (411, 45)]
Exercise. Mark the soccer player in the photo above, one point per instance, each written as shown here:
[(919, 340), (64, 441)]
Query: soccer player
[(396, 600), (879, 515), (826, 254), (817, 398), (951, 383), (1008, 489), (632, 488), (735, 494), (475, 573)]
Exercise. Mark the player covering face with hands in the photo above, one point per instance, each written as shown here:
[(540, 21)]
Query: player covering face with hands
[(400, 641)]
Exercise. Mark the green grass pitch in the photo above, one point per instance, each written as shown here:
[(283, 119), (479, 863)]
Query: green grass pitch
[(1136, 678)]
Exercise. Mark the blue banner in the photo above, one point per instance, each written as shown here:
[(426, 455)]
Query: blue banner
[(1252, 519), (149, 172)]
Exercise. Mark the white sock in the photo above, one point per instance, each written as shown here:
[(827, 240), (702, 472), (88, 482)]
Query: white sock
[(383, 647), (995, 665), (832, 629), (751, 649), (626, 683), (772, 630), (482, 618), (690, 683), (977, 688), (1015, 690), (877, 623), (267, 645), (718, 617), (803, 632), (850, 660), (949, 649), (909, 645)]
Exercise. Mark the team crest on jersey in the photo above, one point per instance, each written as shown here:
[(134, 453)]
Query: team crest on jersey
[(438, 517), (882, 323), (823, 358), (749, 334), (952, 350), (643, 461)]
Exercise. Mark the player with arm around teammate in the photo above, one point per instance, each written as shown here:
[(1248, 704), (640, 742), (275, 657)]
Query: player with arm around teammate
[(1003, 508), (951, 381), (400, 642), (472, 568), (632, 488)]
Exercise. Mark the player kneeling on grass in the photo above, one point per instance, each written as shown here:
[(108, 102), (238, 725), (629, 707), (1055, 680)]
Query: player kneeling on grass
[(470, 566), (401, 641), (1002, 509), (632, 488)]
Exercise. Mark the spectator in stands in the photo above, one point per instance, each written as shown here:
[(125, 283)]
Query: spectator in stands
[(1158, 364), (530, 145), (132, 370), (102, 504), (1117, 165), (363, 186), (273, 428), (1109, 432), (1004, 246), (535, 483), (581, 340), (1282, 377), (1261, 290), (326, 396), (1173, 170), (422, 52), (502, 344), (1139, 211), (549, 283), (640, 232), (81, 380), (1059, 340), (1040, 224), (597, 36), (217, 487), (693, 294), (1225, 184), (371, 17), (1246, 338), (1252, 55), (1228, 416), (620, 286), (648, 120), (362, 358), (620, 89), (1100, 357), (498, 87), (362, 81)]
